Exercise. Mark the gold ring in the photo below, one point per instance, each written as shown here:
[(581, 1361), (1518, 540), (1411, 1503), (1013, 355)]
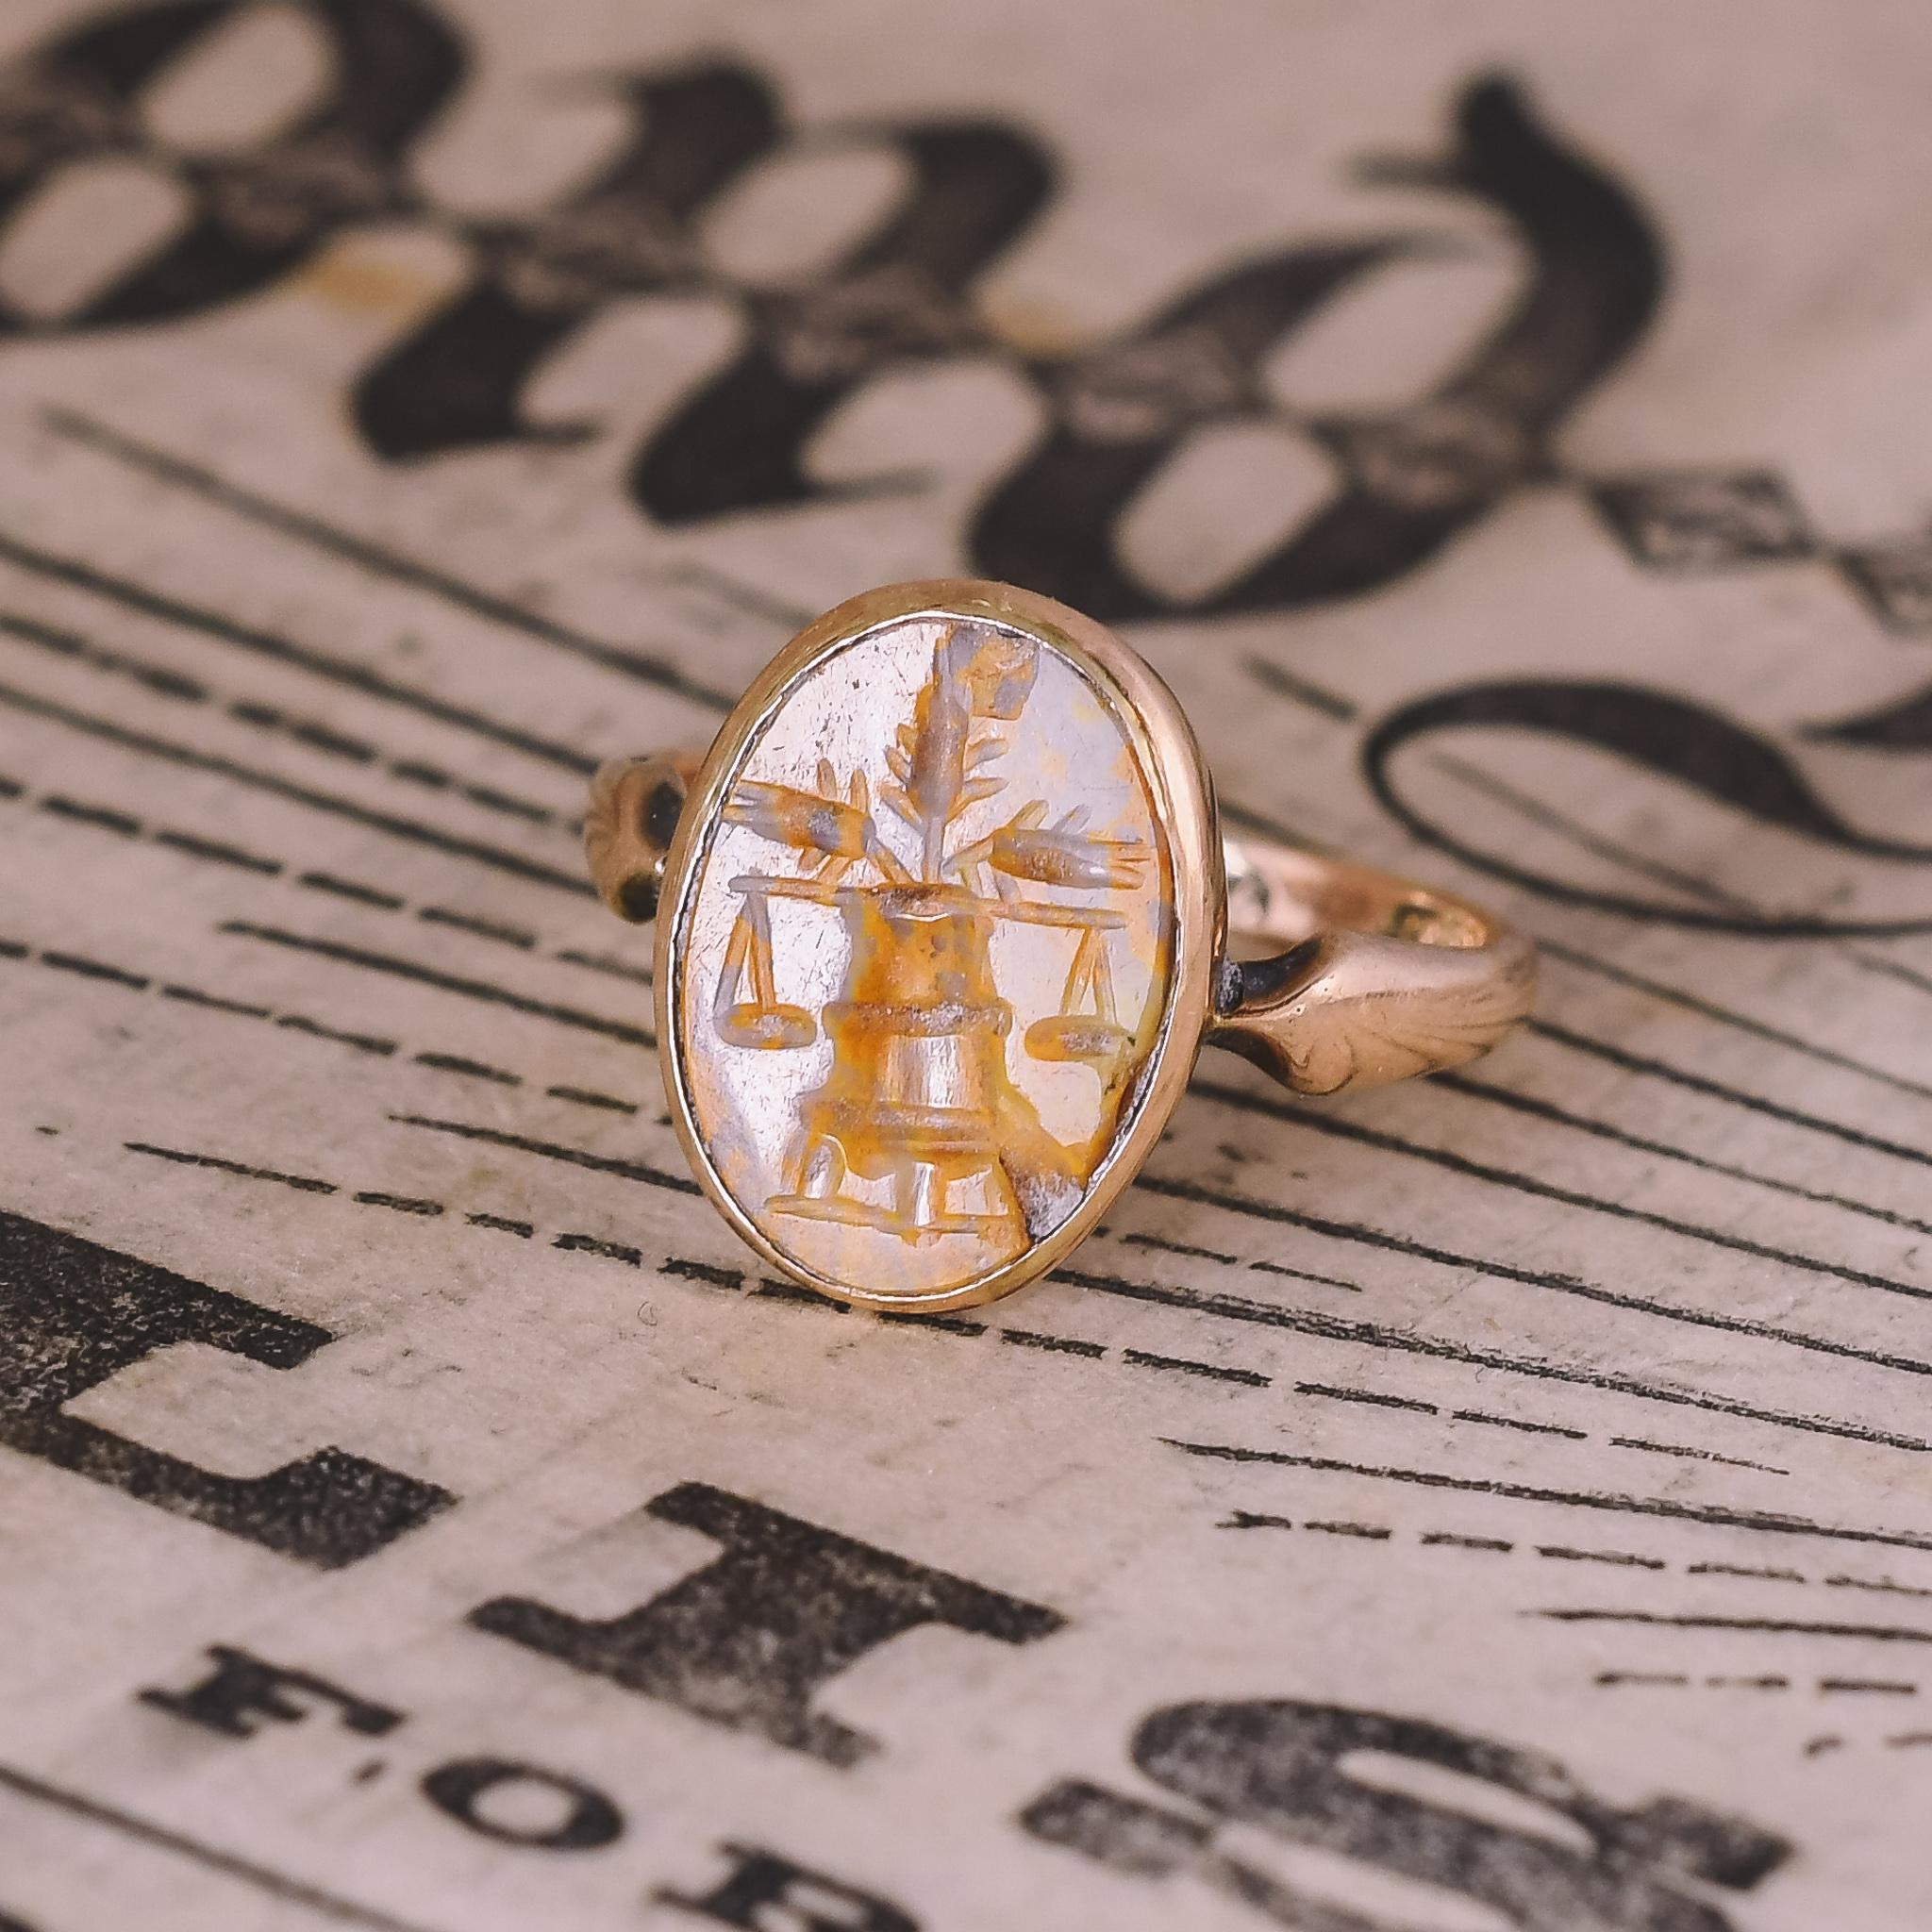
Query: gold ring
[(943, 919)]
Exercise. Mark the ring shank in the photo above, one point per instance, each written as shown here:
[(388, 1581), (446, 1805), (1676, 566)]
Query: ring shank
[(1382, 979), (1280, 895)]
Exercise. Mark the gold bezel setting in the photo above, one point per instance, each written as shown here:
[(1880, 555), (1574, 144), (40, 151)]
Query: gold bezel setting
[(1181, 797)]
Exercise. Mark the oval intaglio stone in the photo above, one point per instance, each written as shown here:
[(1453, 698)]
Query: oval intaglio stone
[(925, 955)]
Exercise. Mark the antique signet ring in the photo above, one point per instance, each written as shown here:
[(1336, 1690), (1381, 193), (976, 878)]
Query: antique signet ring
[(944, 921)]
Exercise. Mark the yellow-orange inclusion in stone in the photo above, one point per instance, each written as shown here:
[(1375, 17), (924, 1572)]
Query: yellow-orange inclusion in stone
[(926, 956)]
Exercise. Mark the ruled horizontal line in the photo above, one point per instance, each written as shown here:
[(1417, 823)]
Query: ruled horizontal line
[(272, 720), (412, 831), (416, 1207), (551, 1150), (1407, 1341), (1709, 1514), (1727, 1016), (1535, 1107), (1532, 1277), (280, 650), (1717, 1090), (377, 558), (1516, 1182), (305, 1024), (302, 1183), (1759, 1626), (463, 988), (246, 1871)]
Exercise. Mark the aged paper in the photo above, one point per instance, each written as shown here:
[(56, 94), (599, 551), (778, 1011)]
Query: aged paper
[(1505, 1503)]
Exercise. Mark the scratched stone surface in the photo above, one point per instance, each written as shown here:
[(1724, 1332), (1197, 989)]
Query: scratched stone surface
[(1501, 1503)]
